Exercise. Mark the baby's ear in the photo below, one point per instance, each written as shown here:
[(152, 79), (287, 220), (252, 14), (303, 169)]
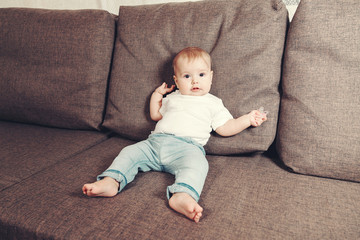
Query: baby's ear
[(175, 79)]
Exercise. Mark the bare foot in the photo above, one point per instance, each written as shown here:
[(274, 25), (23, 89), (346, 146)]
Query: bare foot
[(185, 204), (106, 187)]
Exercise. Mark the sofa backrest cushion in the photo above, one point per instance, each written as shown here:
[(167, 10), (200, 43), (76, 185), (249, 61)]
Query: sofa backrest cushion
[(54, 66), (245, 40), (319, 129)]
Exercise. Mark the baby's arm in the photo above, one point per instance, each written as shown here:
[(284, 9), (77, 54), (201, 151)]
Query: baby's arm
[(156, 101), (234, 126)]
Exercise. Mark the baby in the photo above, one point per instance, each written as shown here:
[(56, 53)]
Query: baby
[(185, 119)]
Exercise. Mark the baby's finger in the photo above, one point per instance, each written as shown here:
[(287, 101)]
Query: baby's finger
[(171, 88)]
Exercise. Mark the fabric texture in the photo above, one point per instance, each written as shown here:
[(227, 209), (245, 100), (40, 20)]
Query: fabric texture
[(54, 66), (243, 198), (245, 40), (319, 131), (29, 149)]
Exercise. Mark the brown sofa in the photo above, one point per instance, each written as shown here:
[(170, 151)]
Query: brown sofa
[(75, 89)]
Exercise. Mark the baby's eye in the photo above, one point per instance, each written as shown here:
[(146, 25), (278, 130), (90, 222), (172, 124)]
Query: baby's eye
[(187, 76), (202, 74)]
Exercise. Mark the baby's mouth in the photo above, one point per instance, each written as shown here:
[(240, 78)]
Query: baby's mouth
[(195, 89)]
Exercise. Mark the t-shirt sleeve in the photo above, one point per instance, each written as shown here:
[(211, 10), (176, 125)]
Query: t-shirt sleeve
[(221, 116), (164, 103), (162, 109)]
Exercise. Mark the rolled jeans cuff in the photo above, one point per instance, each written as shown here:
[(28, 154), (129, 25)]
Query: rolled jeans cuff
[(117, 175), (182, 187)]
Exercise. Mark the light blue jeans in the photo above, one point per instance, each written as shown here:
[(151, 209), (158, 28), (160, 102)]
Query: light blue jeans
[(179, 156)]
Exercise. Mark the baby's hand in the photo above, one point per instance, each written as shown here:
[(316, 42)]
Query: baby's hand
[(257, 118), (163, 89)]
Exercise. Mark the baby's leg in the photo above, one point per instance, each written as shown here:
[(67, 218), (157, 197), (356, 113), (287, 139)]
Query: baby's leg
[(106, 187), (186, 205), (130, 160), (190, 169)]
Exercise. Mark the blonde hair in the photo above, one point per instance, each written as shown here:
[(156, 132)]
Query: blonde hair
[(192, 53)]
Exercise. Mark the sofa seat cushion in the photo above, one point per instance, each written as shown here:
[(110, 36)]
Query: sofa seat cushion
[(54, 66), (245, 40), (319, 130), (28, 149), (246, 197)]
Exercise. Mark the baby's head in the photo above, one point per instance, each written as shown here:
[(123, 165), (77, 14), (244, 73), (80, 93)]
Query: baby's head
[(192, 71)]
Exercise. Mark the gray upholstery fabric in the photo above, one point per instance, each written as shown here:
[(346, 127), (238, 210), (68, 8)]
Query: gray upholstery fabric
[(42, 169), (319, 130), (28, 149), (245, 40), (243, 198), (54, 66)]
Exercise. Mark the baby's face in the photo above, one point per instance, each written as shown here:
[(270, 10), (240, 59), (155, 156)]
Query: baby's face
[(193, 77)]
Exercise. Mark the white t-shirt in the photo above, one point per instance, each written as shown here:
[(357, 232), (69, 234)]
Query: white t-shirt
[(192, 116)]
